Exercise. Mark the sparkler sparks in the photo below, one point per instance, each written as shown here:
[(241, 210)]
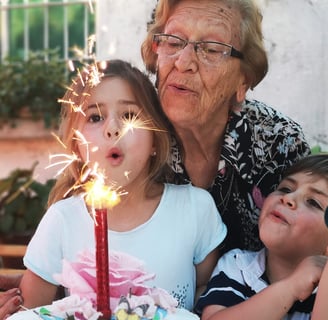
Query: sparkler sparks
[(68, 160), (91, 6), (135, 122), (98, 195), (88, 177)]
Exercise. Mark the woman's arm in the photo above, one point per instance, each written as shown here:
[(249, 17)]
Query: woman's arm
[(10, 281), (36, 291), (320, 309)]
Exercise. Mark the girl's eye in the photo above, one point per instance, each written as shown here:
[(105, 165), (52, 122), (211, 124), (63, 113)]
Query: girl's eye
[(129, 115), (95, 118), (314, 203)]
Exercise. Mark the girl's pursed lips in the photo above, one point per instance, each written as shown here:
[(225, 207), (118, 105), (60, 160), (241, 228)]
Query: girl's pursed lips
[(115, 156)]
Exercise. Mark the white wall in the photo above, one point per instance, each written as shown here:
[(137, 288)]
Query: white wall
[(121, 28), (296, 37)]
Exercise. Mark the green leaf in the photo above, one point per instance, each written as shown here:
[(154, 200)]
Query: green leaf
[(316, 149)]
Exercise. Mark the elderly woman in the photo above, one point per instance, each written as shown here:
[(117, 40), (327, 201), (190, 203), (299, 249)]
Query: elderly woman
[(206, 56)]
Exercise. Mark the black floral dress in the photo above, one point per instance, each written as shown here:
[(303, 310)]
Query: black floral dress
[(260, 143)]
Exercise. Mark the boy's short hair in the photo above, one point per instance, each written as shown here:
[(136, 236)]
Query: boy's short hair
[(313, 164)]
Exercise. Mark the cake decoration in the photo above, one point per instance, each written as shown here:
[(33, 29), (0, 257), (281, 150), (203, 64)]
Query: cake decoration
[(130, 296)]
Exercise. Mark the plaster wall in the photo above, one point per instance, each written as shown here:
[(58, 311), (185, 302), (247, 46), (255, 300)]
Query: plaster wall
[(296, 38), (26, 145)]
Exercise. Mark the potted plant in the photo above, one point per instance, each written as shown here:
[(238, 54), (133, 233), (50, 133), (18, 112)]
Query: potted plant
[(32, 87), (23, 202)]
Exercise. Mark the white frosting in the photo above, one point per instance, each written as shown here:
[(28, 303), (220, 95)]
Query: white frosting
[(180, 314)]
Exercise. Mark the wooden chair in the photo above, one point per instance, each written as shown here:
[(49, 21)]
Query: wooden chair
[(12, 251), (18, 251)]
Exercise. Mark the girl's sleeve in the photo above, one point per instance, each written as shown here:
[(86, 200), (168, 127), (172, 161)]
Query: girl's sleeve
[(44, 254)]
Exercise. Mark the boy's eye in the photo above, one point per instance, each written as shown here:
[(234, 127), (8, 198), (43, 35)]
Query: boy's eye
[(95, 118), (284, 189), (314, 203)]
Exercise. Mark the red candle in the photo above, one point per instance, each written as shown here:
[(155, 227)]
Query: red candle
[(102, 270), (101, 198)]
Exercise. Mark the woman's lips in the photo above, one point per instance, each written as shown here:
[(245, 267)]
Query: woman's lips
[(179, 88), (115, 156)]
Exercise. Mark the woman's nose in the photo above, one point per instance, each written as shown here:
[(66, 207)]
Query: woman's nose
[(187, 59)]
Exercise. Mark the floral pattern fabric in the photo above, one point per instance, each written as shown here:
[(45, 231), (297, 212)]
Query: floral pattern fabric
[(259, 144)]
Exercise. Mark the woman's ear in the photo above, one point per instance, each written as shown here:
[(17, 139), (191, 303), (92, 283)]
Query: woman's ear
[(242, 89)]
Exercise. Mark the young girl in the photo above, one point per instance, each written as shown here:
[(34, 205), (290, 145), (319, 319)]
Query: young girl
[(111, 117), (278, 282)]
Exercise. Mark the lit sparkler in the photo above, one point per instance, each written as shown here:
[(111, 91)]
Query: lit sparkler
[(98, 196), (68, 159), (101, 197)]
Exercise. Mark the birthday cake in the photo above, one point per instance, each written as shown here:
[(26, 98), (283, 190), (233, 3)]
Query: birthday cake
[(61, 310), (130, 297)]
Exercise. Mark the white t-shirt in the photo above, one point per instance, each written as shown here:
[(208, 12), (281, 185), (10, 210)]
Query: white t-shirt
[(184, 228)]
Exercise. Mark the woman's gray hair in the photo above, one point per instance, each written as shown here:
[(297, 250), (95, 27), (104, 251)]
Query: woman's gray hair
[(255, 61)]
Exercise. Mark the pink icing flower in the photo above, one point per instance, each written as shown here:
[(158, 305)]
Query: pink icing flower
[(127, 276)]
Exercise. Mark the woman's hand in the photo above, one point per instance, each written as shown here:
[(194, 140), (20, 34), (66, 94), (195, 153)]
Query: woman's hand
[(10, 302), (10, 297), (10, 281)]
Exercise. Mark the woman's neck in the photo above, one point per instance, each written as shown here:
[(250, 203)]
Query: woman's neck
[(201, 155)]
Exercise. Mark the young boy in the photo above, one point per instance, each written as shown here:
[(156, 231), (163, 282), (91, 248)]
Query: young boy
[(278, 282)]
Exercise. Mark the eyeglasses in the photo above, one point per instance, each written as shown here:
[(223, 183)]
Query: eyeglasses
[(210, 52)]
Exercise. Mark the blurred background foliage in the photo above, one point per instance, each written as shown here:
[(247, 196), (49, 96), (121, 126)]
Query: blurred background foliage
[(35, 15)]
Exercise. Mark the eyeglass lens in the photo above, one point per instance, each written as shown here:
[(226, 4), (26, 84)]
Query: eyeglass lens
[(207, 51)]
